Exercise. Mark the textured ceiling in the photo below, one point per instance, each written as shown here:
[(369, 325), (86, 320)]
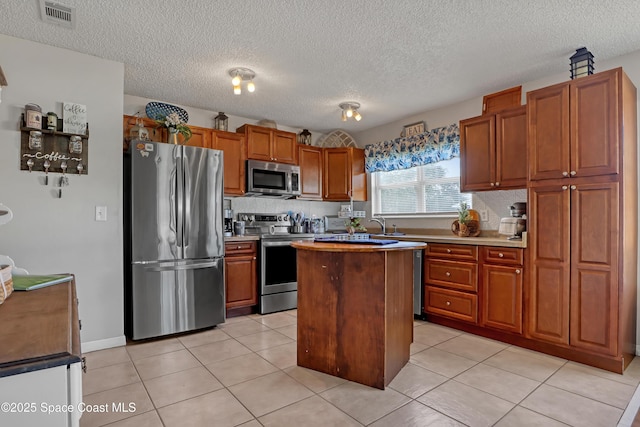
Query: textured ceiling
[(396, 58)]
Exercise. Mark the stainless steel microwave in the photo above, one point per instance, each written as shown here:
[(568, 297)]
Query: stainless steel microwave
[(272, 179)]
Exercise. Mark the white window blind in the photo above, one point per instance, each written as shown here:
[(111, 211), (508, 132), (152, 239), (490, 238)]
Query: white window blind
[(432, 189)]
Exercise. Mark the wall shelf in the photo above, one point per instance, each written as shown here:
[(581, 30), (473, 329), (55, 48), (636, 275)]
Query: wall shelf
[(55, 148)]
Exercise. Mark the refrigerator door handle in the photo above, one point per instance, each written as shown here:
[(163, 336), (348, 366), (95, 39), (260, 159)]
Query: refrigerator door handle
[(187, 201), (174, 267), (179, 202)]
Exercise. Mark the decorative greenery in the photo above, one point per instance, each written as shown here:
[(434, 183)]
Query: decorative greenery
[(355, 223), (463, 213), (173, 121)]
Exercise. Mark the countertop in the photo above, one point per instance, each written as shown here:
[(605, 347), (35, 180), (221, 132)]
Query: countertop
[(40, 329), (241, 238), (501, 241), (352, 247)]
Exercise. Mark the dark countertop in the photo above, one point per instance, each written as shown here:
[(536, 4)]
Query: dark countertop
[(40, 329), (241, 238), (352, 247)]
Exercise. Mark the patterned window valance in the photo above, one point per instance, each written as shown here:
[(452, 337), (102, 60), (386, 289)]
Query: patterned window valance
[(417, 150)]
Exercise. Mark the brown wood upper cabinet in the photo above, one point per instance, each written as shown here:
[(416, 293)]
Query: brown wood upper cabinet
[(310, 159), (234, 148), (270, 145), (344, 175), (574, 127), (493, 151)]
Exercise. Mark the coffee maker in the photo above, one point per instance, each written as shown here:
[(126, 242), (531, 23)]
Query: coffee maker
[(228, 222), (514, 225)]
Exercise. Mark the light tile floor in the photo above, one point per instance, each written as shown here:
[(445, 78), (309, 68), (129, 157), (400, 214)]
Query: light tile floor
[(244, 373)]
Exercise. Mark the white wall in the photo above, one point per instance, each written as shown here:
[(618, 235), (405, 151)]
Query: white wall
[(51, 235)]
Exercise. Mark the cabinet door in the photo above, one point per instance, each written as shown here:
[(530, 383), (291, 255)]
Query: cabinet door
[(548, 132), (595, 125), (477, 158), (310, 159), (337, 174), (233, 146), (548, 288), (511, 148), (285, 147), (241, 284), (200, 137), (259, 143), (594, 266), (502, 297)]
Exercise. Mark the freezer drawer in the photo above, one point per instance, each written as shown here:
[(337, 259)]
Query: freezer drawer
[(171, 297)]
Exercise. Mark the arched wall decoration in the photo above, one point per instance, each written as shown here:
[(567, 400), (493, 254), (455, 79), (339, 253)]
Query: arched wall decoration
[(337, 138)]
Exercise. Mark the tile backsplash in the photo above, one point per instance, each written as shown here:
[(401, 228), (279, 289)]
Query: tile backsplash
[(273, 205), (497, 205)]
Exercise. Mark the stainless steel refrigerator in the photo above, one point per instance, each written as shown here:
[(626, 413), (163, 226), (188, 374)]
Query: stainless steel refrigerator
[(174, 239)]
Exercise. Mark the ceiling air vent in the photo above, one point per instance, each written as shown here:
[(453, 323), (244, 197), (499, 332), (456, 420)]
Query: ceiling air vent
[(58, 14)]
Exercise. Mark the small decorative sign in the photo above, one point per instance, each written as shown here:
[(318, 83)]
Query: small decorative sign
[(74, 118), (414, 129)]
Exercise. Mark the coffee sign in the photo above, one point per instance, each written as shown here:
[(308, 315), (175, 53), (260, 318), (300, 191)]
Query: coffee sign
[(74, 118)]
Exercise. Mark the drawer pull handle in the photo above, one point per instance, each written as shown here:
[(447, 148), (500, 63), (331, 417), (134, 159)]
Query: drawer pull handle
[(501, 255), (448, 251), (239, 247), (565, 173), (448, 302), (447, 274), (564, 187), (517, 271)]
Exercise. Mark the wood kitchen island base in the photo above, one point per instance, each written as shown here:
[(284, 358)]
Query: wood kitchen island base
[(355, 309)]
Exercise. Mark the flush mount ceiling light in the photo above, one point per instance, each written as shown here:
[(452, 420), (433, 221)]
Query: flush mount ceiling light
[(350, 110), (239, 75)]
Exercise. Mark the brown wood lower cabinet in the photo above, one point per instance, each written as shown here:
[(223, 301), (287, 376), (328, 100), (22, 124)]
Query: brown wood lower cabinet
[(502, 281), (241, 285), (451, 279)]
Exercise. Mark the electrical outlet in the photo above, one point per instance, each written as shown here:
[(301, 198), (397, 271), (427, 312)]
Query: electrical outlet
[(101, 213), (484, 215)]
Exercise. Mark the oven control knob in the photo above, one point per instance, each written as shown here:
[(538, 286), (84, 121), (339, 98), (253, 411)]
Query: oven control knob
[(280, 218), (285, 217)]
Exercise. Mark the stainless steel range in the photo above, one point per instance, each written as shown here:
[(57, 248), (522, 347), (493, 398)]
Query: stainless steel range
[(278, 272)]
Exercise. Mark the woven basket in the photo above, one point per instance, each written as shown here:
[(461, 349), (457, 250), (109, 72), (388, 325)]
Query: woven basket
[(6, 282)]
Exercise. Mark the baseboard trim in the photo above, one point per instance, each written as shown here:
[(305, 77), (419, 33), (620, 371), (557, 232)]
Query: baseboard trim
[(103, 344)]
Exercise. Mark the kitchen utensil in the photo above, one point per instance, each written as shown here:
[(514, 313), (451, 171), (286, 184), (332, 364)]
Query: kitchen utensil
[(30, 164), (299, 229), (47, 165), (238, 228), (518, 209)]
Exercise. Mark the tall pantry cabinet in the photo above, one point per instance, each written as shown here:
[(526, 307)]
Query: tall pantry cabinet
[(582, 140)]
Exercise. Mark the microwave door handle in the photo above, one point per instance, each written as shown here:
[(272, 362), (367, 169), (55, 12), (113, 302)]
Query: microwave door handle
[(289, 182)]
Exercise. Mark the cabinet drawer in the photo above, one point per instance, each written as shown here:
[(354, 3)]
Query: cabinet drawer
[(453, 304), (508, 256), (234, 248), (452, 274), (446, 251)]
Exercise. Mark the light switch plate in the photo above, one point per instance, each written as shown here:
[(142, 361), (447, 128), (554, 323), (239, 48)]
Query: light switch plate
[(101, 213), (484, 215)]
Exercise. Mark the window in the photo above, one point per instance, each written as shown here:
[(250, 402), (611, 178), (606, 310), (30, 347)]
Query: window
[(432, 189)]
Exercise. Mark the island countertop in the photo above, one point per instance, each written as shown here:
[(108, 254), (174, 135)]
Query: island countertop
[(356, 247)]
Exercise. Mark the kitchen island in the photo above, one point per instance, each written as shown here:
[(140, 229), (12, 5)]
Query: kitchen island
[(355, 309)]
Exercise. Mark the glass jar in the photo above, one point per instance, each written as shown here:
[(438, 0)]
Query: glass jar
[(35, 140), (75, 144), (52, 121), (33, 116)]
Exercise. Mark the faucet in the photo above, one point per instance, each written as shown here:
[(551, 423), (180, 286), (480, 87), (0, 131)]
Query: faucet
[(380, 221)]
